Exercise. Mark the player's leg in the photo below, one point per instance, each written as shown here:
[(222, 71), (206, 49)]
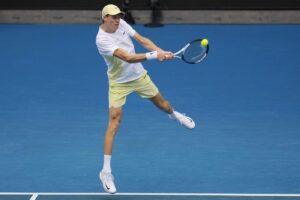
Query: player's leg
[(115, 115), (106, 177), (162, 104), (165, 106), (117, 98), (147, 89)]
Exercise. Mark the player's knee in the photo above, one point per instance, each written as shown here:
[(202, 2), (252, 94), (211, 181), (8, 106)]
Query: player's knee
[(115, 123)]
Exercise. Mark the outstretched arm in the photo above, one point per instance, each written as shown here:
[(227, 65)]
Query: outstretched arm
[(160, 54), (135, 58), (146, 43)]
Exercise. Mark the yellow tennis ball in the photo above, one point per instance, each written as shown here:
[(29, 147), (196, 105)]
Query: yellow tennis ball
[(204, 42)]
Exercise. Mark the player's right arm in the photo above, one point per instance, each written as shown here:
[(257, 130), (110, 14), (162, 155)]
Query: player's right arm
[(130, 58)]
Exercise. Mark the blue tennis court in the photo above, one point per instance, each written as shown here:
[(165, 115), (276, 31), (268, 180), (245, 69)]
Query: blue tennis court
[(244, 98)]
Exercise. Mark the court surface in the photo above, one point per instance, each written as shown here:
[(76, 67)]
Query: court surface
[(244, 98)]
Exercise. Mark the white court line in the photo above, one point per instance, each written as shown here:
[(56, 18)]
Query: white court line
[(151, 194), (34, 196)]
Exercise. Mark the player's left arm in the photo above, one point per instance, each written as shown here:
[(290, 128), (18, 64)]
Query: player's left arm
[(148, 44)]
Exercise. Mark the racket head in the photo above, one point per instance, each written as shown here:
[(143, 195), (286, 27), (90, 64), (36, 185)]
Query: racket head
[(195, 52)]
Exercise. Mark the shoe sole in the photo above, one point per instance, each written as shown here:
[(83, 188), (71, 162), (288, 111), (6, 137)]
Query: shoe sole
[(106, 190)]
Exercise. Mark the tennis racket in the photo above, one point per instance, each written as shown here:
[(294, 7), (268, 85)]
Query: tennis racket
[(193, 52)]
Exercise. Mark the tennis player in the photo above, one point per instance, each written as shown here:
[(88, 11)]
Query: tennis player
[(126, 74)]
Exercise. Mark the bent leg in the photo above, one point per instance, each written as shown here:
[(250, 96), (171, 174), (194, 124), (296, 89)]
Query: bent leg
[(162, 104), (165, 106)]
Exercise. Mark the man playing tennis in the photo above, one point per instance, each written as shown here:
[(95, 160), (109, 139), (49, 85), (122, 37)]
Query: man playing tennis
[(126, 75)]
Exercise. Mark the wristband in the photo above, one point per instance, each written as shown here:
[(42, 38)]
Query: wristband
[(151, 55)]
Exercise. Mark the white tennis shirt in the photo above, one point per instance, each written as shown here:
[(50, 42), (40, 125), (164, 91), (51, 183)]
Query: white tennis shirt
[(119, 71)]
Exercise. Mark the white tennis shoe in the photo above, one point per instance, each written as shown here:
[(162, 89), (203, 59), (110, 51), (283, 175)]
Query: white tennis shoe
[(183, 119), (107, 180)]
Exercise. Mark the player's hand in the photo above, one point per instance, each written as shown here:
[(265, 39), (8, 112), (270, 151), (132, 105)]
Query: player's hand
[(164, 55), (169, 55)]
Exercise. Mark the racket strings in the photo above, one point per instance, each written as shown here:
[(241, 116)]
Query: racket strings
[(195, 52)]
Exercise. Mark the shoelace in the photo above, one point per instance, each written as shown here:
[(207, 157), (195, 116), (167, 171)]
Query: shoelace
[(183, 115), (108, 177)]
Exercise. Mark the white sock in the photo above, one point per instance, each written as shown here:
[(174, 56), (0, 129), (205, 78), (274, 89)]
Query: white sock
[(173, 115), (106, 163)]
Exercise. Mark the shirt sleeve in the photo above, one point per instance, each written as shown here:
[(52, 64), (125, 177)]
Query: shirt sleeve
[(127, 28), (106, 47)]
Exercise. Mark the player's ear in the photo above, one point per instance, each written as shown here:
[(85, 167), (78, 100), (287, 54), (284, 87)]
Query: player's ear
[(104, 18)]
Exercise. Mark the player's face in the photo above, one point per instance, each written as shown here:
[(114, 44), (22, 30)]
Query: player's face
[(113, 21)]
